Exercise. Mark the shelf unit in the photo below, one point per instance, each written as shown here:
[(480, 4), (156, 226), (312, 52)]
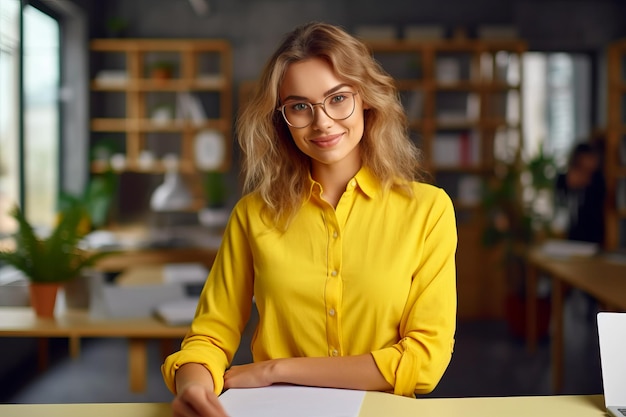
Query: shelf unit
[(463, 100), (615, 150), (125, 97)]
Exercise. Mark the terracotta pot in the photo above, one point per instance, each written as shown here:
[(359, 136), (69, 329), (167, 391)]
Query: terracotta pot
[(43, 298), (161, 74)]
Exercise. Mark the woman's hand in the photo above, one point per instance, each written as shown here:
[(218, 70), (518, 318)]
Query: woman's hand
[(194, 393), (252, 375), (197, 400)]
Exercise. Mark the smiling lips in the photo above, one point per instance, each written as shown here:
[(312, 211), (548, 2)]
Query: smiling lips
[(327, 141)]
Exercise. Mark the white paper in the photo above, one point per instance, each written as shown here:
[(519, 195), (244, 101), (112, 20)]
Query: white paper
[(290, 401)]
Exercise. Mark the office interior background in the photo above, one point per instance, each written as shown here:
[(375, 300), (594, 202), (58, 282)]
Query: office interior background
[(52, 126)]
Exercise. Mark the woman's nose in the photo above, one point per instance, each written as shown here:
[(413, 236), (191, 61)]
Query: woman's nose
[(320, 119)]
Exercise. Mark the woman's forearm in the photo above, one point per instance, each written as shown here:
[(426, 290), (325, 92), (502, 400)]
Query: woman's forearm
[(193, 373), (351, 372)]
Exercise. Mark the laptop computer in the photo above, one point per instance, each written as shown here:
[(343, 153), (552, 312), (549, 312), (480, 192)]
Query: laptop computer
[(612, 337)]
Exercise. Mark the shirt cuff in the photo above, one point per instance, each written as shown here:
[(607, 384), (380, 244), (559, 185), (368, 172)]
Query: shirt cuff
[(174, 361)]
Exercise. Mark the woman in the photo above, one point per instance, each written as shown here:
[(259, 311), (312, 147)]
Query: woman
[(350, 260), (580, 194)]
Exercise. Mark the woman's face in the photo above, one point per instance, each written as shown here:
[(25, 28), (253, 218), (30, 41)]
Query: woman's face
[(325, 141)]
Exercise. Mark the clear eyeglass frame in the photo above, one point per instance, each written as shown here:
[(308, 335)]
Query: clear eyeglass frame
[(322, 104)]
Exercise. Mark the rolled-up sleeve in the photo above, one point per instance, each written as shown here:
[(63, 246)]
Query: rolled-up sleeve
[(223, 309), (417, 362)]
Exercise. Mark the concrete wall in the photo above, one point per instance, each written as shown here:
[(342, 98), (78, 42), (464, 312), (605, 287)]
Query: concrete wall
[(255, 26)]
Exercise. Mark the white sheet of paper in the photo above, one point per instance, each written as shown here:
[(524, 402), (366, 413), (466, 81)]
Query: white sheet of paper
[(290, 401)]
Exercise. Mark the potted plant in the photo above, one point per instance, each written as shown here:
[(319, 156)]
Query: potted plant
[(116, 26), (48, 262), (215, 213), (95, 201), (516, 220), (162, 70)]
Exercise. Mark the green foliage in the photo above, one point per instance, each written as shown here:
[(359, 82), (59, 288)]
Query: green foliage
[(58, 257), (215, 189), (116, 25), (96, 199), (513, 218)]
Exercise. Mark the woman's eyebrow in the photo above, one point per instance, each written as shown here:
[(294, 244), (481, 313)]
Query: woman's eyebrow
[(326, 93)]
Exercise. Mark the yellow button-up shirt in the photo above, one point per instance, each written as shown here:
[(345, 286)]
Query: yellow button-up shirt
[(374, 275)]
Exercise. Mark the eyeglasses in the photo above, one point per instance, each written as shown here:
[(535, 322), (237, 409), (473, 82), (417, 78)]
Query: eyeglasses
[(337, 106)]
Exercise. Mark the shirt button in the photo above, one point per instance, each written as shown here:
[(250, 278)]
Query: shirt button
[(353, 183), (331, 312), (334, 273), (334, 352), (335, 234)]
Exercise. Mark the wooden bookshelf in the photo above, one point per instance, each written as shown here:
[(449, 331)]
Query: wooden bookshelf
[(615, 148), (123, 92), (462, 88)]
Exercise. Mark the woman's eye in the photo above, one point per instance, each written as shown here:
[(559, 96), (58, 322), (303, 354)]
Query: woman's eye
[(337, 99), (299, 106)]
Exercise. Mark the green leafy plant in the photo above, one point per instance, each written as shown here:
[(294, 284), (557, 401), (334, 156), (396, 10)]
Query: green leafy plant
[(96, 199), (56, 258), (162, 69), (510, 199), (215, 189), (515, 217), (116, 26)]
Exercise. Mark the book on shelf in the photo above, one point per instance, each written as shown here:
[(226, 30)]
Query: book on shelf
[(456, 149), (413, 104), (424, 32), (470, 190), (459, 109), (447, 70)]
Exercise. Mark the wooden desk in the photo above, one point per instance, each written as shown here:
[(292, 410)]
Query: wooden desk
[(76, 324), (129, 258), (374, 405), (602, 279)]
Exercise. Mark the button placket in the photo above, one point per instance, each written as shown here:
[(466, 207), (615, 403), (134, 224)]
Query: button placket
[(333, 287)]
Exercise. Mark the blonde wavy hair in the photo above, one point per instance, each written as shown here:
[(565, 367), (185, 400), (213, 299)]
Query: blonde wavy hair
[(272, 164)]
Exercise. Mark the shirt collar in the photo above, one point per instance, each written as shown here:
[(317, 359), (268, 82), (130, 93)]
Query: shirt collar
[(367, 182), (364, 180)]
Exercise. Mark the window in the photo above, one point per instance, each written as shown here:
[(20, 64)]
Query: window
[(556, 96), (9, 112), (29, 113), (41, 67), (557, 113)]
